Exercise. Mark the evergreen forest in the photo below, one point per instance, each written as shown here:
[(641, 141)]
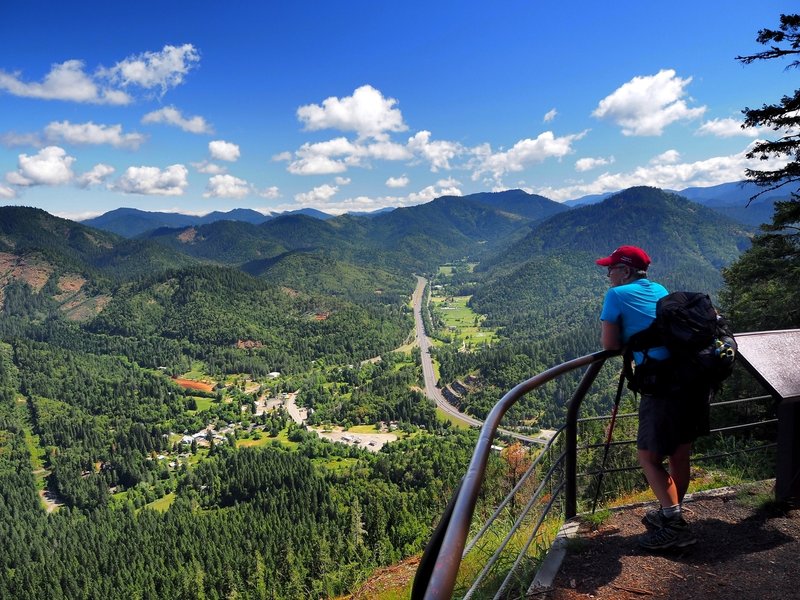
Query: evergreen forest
[(170, 401)]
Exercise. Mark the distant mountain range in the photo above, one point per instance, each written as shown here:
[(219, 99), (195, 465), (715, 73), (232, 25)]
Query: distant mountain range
[(730, 199), (353, 256), (132, 222)]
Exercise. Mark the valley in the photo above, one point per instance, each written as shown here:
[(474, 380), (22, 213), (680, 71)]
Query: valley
[(305, 392)]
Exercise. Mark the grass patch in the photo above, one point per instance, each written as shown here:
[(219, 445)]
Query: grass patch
[(462, 322), (476, 560), (197, 457), (454, 420), (406, 349), (203, 403), (162, 504), (760, 496), (266, 440), (596, 519), (197, 371), (363, 429)]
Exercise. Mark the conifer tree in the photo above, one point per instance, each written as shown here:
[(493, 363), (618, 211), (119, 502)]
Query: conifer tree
[(782, 117), (763, 287)]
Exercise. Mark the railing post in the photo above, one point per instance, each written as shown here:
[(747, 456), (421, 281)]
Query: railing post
[(772, 357), (571, 440)]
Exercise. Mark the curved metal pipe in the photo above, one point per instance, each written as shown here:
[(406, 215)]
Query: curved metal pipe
[(443, 576)]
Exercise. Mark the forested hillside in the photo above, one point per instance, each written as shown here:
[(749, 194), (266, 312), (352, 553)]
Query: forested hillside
[(241, 324), (545, 292), (151, 390), (70, 247), (409, 239)]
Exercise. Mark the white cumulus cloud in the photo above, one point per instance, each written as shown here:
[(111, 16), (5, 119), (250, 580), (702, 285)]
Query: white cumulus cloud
[(322, 199), (50, 166), (662, 173), (550, 115), (647, 104), (221, 150), (336, 155), (316, 165), (171, 181), (589, 163), (342, 181), (271, 193), (438, 153), (669, 157), (65, 81), (208, 168), (164, 69), (91, 133), (523, 153), (397, 182), (726, 128), (366, 112), (99, 173), (170, 115), (226, 186), (317, 196)]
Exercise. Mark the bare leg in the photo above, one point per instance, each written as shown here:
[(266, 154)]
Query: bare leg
[(662, 484), (679, 468)]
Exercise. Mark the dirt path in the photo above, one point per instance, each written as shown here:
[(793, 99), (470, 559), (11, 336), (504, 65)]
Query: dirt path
[(50, 500)]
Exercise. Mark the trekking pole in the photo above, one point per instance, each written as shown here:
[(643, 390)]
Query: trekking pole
[(608, 438)]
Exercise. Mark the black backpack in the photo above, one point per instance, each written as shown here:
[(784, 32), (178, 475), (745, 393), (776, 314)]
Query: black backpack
[(701, 345)]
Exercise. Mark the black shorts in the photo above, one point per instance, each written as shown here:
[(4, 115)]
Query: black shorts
[(668, 420)]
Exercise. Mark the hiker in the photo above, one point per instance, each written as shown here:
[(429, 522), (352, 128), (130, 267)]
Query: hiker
[(668, 423)]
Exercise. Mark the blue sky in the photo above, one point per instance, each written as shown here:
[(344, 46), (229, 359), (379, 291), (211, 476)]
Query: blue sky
[(355, 106)]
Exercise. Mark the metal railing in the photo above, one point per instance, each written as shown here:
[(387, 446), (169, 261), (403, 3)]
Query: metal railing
[(439, 567)]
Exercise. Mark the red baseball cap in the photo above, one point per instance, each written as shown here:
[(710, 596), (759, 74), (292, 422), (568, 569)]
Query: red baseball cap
[(626, 255)]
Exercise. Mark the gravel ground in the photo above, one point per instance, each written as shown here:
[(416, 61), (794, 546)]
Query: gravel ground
[(746, 549)]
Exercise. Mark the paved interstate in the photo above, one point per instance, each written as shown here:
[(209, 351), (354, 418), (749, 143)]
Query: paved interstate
[(433, 392)]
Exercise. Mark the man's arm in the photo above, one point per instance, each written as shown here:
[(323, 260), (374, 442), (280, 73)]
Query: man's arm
[(610, 336)]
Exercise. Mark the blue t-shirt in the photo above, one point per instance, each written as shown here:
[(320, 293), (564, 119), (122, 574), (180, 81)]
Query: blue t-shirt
[(633, 307)]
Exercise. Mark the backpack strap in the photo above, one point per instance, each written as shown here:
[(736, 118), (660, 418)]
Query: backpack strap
[(643, 340)]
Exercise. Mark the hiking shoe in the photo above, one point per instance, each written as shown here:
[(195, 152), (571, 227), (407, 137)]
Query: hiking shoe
[(654, 518), (675, 533)]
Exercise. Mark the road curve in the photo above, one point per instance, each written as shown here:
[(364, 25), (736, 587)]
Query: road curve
[(433, 392)]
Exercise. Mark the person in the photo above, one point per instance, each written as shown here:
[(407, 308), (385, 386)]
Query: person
[(665, 420)]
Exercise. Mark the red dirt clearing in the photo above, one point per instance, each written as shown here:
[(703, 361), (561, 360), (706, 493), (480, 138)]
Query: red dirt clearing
[(194, 385)]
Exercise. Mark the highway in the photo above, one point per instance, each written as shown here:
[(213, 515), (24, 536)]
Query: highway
[(433, 392), (424, 343)]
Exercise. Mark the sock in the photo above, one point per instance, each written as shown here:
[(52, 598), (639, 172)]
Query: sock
[(671, 512)]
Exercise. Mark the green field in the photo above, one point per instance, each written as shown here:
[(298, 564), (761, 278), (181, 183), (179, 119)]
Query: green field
[(265, 440), (162, 504), (448, 269), (454, 420), (203, 403), (462, 322)]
